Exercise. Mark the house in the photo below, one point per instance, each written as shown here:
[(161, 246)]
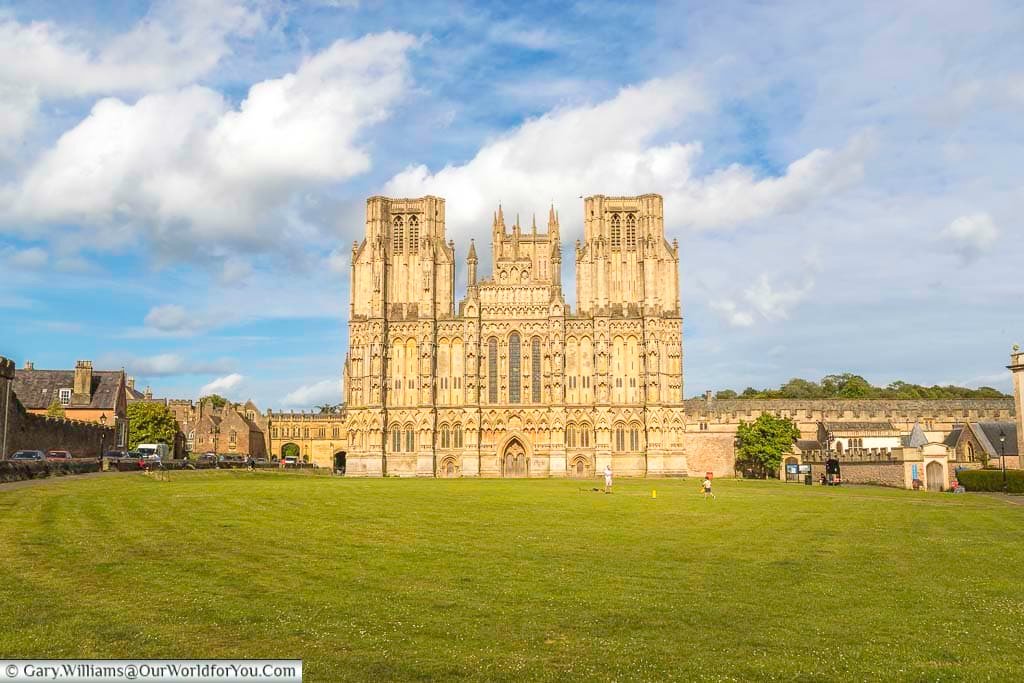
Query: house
[(98, 396), (842, 437), (986, 443)]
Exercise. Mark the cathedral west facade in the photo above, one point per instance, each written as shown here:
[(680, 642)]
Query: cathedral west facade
[(510, 380)]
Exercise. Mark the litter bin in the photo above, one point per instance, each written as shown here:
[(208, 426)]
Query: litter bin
[(807, 479)]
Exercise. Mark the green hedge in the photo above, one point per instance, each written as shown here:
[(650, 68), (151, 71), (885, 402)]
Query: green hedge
[(991, 480)]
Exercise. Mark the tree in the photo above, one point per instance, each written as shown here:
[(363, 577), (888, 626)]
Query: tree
[(217, 400), (765, 441), (55, 409), (150, 423), (726, 393), (290, 450)]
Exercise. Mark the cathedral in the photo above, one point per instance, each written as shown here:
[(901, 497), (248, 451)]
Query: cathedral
[(511, 380)]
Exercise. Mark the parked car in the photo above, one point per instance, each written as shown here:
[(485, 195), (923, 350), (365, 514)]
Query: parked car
[(230, 459), (207, 457), (290, 460), (261, 461), (58, 455), (154, 451), (116, 454), (28, 455)]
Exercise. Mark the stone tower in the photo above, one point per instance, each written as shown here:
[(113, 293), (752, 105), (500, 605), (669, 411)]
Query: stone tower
[(1016, 366)]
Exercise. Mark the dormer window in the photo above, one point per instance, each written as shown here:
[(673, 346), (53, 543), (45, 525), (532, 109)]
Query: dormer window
[(65, 397)]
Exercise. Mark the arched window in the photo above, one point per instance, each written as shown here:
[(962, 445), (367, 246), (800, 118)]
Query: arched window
[(515, 373), (630, 231), (620, 438), (570, 436), (616, 231), (492, 370), (970, 452), (634, 438), (535, 371), (584, 436), (410, 443), (446, 437), (397, 235), (335, 432), (396, 439), (414, 234), (457, 435)]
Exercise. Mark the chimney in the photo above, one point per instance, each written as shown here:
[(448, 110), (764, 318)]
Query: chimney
[(83, 382), (707, 396), (131, 383), (148, 393), (29, 365)]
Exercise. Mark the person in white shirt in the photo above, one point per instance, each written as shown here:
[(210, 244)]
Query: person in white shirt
[(607, 478), (707, 488)]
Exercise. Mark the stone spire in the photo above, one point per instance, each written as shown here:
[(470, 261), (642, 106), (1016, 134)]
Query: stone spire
[(471, 261)]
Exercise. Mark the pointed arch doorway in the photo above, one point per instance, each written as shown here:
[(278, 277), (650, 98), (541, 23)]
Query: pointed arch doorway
[(513, 459)]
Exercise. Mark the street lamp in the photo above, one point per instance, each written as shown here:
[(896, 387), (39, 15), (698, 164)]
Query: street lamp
[(103, 434), (1002, 454)]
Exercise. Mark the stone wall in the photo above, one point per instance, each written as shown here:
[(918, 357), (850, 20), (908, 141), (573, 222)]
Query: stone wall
[(879, 473), (38, 432), (710, 452)]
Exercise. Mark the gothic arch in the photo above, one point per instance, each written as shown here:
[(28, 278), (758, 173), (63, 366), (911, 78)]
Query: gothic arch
[(514, 453)]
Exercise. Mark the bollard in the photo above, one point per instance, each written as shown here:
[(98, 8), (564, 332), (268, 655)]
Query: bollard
[(654, 493)]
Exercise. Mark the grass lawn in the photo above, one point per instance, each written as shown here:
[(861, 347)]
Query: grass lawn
[(506, 580)]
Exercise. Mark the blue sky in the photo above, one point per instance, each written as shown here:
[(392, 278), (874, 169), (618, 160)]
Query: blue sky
[(181, 182)]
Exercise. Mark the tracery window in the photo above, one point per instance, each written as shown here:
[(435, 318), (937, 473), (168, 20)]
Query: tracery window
[(630, 231), (397, 235), (445, 437), (396, 439), (492, 370), (616, 231), (457, 434), (410, 444), (535, 371), (414, 234), (585, 436), (620, 438), (515, 376), (634, 439), (570, 436)]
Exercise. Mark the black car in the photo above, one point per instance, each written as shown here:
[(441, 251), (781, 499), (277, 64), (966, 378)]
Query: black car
[(29, 455)]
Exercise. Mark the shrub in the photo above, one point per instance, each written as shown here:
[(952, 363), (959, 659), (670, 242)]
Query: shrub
[(992, 480)]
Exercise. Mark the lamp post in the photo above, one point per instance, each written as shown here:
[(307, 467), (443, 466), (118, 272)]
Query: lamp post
[(1002, 454), (216, 433), (103, 433)]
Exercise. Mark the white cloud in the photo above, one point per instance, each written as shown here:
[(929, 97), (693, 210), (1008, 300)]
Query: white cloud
[(222, 385), (18, 108), (235, 270), (325, 391), (171, 318), (763, 300), (33, 257), (610, 147), (971, 235), (185, 167), (174, 44), (163, 365)]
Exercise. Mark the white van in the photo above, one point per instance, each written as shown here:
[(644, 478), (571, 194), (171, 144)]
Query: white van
[(154, 451)]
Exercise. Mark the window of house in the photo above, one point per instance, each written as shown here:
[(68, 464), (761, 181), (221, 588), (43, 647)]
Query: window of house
[(323, 432), (514, 370), (620, 439), (335, 432), (65, 397), (273, 432), (634, 439), (410, 444), (535, 371), (305, 432), (616, 231), (570, 436), (586, 382), (396, 439), (585, 436), (445, 437), (414, 234), (492, 370), (397, 235), (233, 436), (630, 231), (457, 434)]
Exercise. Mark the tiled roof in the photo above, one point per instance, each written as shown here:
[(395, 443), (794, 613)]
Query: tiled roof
[(846, 427), (37, 389), (806, 445), (988, 434), (953, 438), (917, 437)]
